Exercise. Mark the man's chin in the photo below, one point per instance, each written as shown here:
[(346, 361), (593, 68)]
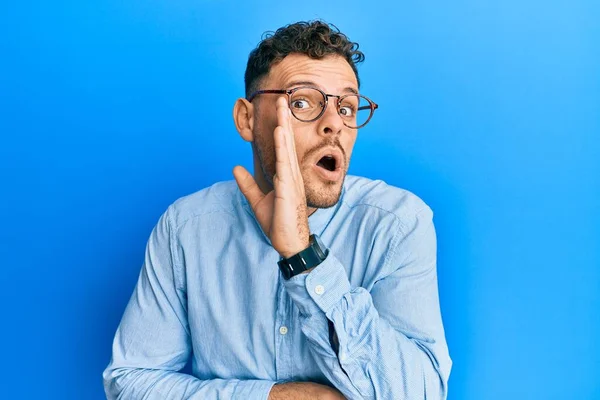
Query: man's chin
[(323, 196), (321, 204)]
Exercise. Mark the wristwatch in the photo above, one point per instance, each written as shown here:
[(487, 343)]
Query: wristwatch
[(309, 258)]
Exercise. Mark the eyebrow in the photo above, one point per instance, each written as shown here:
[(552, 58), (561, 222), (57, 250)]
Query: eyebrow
[(310, 83)]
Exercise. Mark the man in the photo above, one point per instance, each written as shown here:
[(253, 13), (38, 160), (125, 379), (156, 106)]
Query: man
[(298, 282)]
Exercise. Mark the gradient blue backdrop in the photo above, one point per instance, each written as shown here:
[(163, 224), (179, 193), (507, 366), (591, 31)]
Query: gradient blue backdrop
[(111, 110)]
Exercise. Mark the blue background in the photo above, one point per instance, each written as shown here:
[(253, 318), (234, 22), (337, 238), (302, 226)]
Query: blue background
[(110, 110)]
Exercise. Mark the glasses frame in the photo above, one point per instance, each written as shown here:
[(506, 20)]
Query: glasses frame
[(289, 92)]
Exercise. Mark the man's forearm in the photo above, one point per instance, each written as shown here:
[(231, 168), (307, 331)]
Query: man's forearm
[(137, 383), (304, 391)]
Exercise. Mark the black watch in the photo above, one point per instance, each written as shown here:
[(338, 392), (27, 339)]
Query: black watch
[(314, 255)]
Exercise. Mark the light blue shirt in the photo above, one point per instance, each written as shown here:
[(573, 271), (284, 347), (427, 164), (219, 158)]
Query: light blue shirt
[(210, 289)]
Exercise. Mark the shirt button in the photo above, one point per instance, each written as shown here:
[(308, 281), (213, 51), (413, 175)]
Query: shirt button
[(283, 330), (319, 289)]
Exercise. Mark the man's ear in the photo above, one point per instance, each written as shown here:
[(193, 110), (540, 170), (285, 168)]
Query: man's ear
[(243, 117)]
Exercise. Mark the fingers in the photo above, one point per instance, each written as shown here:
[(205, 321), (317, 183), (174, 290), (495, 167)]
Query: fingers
[(248, 186), (284, 121), (283, 168), (293, 154)]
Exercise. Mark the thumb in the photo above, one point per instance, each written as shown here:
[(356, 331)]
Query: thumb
[(248, 186)]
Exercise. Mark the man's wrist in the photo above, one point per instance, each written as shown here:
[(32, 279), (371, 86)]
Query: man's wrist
[(304, 243), (305, 260)]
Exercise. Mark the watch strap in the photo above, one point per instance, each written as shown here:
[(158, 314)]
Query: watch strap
[(304, 260)]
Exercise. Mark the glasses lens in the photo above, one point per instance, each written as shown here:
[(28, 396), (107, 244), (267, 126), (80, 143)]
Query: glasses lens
[(306, 103), (355, 110)]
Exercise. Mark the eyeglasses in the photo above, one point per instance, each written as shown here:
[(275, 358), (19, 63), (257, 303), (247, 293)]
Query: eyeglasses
[(308, 104)]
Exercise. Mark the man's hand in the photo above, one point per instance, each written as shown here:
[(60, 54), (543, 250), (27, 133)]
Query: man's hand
[(282, 213), (304, 391)]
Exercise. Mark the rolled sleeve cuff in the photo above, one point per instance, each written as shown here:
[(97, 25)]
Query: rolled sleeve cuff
[(253, 389), (320, 289)]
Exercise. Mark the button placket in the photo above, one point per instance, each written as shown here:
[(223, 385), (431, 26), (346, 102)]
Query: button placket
[(280, 351)]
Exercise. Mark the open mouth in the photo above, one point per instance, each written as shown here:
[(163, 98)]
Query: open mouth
[(327, 162)]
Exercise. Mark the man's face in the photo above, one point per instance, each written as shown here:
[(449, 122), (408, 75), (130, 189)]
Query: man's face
[(326, 136)]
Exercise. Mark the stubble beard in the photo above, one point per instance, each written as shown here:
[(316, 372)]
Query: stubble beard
[(318, 194)]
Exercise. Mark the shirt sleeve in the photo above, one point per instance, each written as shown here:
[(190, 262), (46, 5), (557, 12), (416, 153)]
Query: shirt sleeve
[(152, 342), (391, 338)]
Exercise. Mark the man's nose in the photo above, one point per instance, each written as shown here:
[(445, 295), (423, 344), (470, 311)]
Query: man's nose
[(331, 122)]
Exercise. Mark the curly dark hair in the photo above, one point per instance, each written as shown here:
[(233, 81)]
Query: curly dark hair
[(316, 39)]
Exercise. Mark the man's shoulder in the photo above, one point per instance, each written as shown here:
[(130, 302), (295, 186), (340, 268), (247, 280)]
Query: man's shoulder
[(220, 197), (361, 192)]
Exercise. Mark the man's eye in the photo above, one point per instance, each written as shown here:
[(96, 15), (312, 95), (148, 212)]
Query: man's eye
[(300, 104), (347, 111)]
